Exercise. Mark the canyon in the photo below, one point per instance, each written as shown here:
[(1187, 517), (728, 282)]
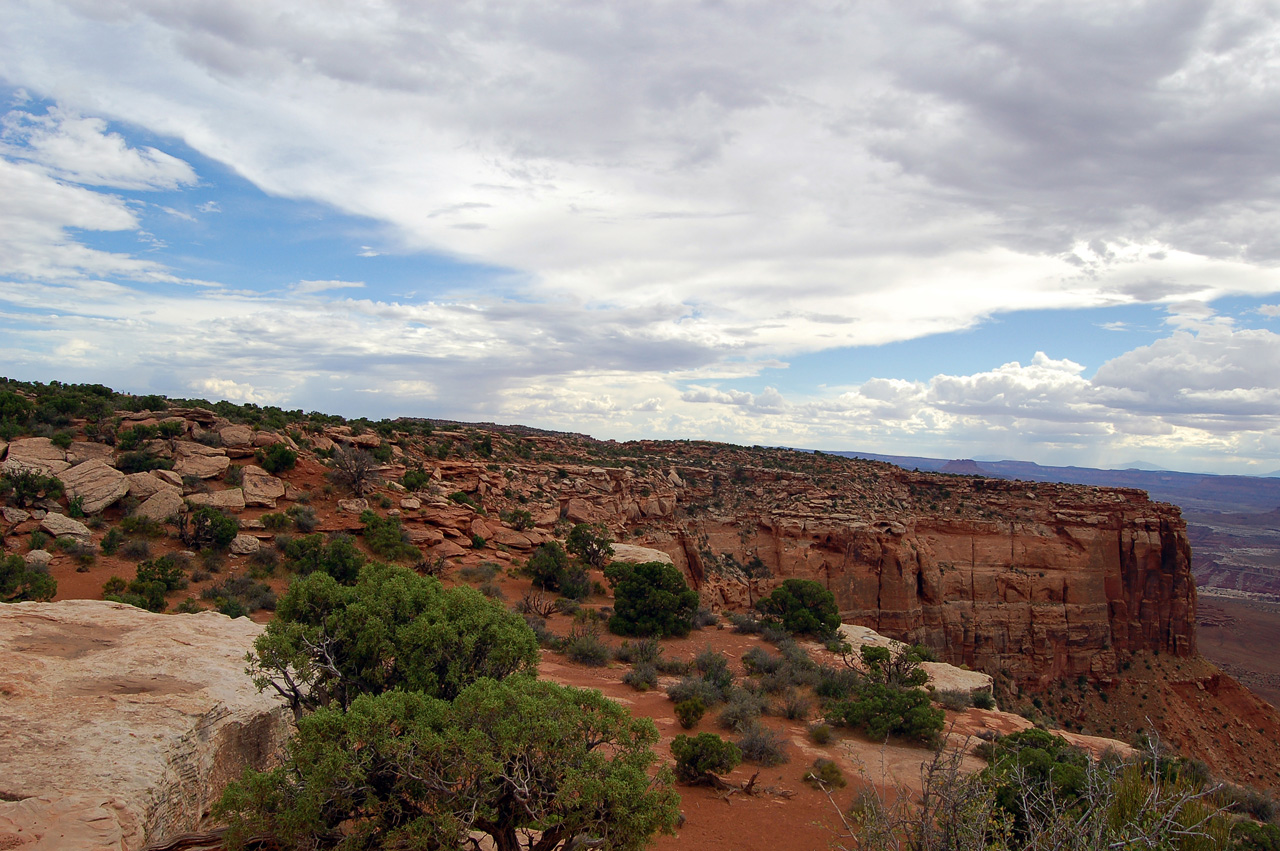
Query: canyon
[(1080, 601)]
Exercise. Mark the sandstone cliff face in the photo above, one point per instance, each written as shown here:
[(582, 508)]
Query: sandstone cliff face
[(119, 726), (1039, 581)]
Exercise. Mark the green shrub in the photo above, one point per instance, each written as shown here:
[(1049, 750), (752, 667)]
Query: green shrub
[(142, 461), (518, 519), (415, 479), (586, 648), (131, 438), (386, 537), (590, 542), (802, 606), (984, 700), (548, 567), (700, 758), (275, 521), (18, 582), (461, 498), (136, 525), (304, 517), (111, 541), (650, 599), (207, 527), (277, 458), (880, 711), (820, 734), (825, 774), (761, 745), (740, 709), (337, 556), (690, 711), (28, 486), (166, 570), (642, 677)]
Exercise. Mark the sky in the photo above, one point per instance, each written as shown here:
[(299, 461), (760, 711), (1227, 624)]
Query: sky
[(1040, 231)]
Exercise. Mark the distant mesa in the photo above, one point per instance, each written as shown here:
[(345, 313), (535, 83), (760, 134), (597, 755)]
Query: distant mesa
[(965, 467), (1144, 465)]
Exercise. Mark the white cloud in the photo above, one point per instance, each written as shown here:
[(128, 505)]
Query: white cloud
[(310, 287), (218, 389), (687, 195), (35, 212), (80, 150)]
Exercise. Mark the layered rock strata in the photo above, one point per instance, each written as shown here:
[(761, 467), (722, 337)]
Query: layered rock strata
[(1055, 581)]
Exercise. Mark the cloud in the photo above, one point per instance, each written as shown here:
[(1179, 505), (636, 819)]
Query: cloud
[(80, 150), (685, 195), (36, 211), (232, 391), (310, 287)]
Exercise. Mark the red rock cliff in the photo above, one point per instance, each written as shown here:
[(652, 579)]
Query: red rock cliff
[(1039, 581)]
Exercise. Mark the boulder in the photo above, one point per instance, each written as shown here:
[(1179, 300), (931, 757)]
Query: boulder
[(410, 503), (510, 538), (639, 555), (96, 483), (481, 528), (446, 549), (231, 499), (14, 515), (578, 511), (191, 449), (81, 452), (60, 526), (266, 438), (353, 506), (260, 487), (35, 453), (38, 558), (244, 545), (236, 435), (120, 726), (424, 536), (35, 450), (168, 476), (161, 505), (202, 466), (146, 485)]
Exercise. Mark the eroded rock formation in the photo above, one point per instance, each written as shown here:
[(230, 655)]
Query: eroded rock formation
[(1038, 581)]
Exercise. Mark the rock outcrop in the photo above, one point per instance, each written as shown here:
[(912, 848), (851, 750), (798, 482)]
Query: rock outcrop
[(96, 483), (119, 726), (1039, 582)]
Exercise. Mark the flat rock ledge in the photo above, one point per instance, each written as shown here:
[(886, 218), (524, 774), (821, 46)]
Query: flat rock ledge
[(119, 726)]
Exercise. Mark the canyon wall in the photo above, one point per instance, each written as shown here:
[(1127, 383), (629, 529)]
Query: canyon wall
[(1041, 582)]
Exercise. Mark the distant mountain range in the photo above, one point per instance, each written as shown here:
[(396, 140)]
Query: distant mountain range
[(1191, 491)]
